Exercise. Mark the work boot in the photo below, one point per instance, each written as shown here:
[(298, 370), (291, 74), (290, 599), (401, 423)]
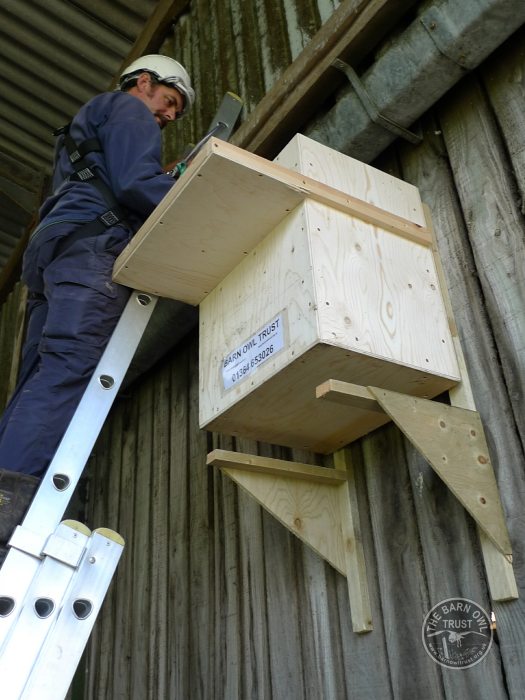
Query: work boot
[(16, 493)]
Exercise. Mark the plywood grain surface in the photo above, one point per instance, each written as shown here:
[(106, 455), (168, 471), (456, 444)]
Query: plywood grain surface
[(219, 210)]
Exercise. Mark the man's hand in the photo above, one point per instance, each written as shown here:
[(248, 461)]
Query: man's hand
[(176, 169), (171, 166)]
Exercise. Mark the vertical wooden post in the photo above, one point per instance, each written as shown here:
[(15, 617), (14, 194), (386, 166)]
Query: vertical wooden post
[(353, 546), (498, 567), (16, 357)]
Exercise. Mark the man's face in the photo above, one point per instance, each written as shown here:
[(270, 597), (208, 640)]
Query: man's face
[(163, 101)]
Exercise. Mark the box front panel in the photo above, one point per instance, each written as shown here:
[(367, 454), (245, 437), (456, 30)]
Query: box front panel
[(285, 411), (260, 318)]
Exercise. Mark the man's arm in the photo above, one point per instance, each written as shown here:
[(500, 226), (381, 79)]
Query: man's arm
[(131, 140)]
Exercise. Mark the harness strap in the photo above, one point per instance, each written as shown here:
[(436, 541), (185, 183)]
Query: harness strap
[(88, 230), (78, 151), (86, 172)]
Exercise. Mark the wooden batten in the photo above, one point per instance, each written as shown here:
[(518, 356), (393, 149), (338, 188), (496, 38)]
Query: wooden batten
[(350, 395), (225, 459)]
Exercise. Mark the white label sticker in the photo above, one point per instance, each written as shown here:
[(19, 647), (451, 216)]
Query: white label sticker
[(248, 357)]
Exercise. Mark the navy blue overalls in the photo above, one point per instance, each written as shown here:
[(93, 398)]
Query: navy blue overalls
[(73, 303)]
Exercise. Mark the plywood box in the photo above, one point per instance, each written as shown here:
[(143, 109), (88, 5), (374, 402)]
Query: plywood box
[(325, 295), (310, 268)]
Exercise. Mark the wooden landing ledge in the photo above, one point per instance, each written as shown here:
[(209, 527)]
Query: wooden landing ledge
[(225, 459), (221, 208), (348, 394)]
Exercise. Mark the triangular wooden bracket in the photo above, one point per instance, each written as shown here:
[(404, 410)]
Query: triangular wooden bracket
[(318, 504), (451, 439), (453, 442)]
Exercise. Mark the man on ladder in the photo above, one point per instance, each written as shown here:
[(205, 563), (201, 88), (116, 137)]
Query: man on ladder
[(107, 179), (82, 333)]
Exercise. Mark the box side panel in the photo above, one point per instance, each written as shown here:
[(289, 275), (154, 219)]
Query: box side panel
[(271, 290), (353, 177), (378, 294), (284, 410)]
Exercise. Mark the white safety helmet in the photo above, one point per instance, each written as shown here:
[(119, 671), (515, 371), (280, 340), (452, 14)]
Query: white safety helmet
[(165, 70)]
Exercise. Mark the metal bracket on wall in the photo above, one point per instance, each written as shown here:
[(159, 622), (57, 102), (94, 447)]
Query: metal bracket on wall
[(371, 107)]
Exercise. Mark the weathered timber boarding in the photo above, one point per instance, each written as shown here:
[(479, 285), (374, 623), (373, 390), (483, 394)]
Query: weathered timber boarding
[(247, 46), (214, 599), (12, 315), (252, 612), (240, 46)]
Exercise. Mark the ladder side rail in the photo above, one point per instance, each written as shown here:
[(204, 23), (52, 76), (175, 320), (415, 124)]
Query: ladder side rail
[(79, 439), (64, 471)]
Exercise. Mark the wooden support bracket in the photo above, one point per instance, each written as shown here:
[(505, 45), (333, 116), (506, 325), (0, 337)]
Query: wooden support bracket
[(453, 442), (318, 504)]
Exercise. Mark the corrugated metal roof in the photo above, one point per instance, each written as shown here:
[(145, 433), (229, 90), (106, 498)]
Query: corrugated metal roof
[(54, 55)]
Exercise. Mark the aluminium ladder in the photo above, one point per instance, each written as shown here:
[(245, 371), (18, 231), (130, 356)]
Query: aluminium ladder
[(56, 574)]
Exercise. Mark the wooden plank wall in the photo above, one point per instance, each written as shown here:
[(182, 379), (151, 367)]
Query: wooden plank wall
[(215, 600), (238, 46), (12, 315)]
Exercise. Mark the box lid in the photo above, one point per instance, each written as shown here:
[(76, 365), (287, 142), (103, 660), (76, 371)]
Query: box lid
[(218, 211)]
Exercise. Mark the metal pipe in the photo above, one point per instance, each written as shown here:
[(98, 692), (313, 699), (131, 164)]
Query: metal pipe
[(447, 40)]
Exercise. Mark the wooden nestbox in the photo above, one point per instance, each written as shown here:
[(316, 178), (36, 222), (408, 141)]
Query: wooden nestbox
[(319, 269), (316, 277), (324, 294)]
